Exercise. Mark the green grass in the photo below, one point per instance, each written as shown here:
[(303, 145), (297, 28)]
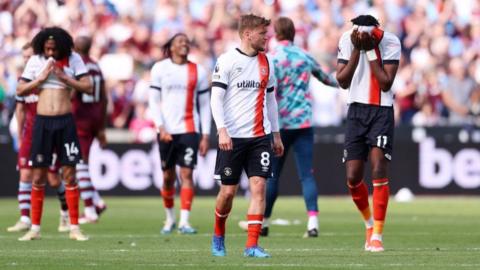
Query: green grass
[(429, 233)]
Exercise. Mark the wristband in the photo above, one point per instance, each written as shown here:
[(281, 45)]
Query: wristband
[(371, 55)]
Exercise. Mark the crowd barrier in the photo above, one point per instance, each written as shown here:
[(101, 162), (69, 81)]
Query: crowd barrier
[(433, 161)]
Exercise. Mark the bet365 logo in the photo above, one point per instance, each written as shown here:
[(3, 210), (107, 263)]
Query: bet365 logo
[(438, 167)]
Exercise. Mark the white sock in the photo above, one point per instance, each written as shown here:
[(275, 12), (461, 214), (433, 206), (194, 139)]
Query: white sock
[(266, 222), (90, 212), (64, 213), (170, 215), (376, 236), (312, 222), (184, 215), (369, 223), (35, 228), (74, 227), (25, 219), (97, 200)]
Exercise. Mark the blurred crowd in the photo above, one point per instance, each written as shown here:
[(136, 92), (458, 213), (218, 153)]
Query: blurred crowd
[(437, 83)]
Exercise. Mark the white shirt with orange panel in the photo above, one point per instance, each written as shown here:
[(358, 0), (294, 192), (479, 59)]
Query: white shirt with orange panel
[(246, 81), (364, 87), (175, 91)]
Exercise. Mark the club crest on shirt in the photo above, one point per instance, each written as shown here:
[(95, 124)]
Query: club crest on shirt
[(263, 71)]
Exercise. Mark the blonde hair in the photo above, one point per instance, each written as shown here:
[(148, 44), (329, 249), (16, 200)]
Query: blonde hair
[(251, 21)]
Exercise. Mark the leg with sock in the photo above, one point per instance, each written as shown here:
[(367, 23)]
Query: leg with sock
[(61, 197), (303, 148), (359, 192), (24, 199), (64, 225), (186, 199), (381, 194), (255, 218), (37, 198), (57, 184), (168, 195), (86, 193), (273, 182), (72, 193), (222, 210)]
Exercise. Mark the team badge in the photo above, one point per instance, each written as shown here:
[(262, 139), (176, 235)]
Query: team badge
[(263, 71), (39, 158), (227, 171)]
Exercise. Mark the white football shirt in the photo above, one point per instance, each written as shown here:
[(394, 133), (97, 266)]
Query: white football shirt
[(246, 80), (364, 87), (179, 86), (73, 67)]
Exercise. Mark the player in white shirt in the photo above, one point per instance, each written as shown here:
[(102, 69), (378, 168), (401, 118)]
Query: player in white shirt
[(177, 89), (368, 59), (54, 70), (245, 112)]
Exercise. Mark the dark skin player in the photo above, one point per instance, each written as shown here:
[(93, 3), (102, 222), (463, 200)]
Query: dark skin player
[(385, 74)]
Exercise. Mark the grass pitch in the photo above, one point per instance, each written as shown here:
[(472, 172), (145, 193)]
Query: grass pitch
[(429, 233)]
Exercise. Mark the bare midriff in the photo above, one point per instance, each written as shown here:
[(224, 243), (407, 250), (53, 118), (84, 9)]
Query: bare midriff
[(54, 101)]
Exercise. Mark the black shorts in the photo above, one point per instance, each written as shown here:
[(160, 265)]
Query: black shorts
[(54, 134), (254, 155), (182, 151), (368, 126)]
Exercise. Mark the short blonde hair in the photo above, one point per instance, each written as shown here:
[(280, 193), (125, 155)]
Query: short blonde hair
[(251, 21)]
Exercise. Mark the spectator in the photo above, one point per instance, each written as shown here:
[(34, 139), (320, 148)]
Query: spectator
[(457, 92)]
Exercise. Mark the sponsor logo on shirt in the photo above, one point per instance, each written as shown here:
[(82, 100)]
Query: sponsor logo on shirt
[(252, 84), (176, 87)]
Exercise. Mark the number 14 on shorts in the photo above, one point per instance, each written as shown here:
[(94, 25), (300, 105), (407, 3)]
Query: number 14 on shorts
[(71, 149)]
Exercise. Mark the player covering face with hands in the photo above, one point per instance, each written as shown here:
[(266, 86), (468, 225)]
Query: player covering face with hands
[(245, 112), (368, 59)]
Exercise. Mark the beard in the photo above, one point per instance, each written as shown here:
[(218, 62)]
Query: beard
[(259, 47)]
